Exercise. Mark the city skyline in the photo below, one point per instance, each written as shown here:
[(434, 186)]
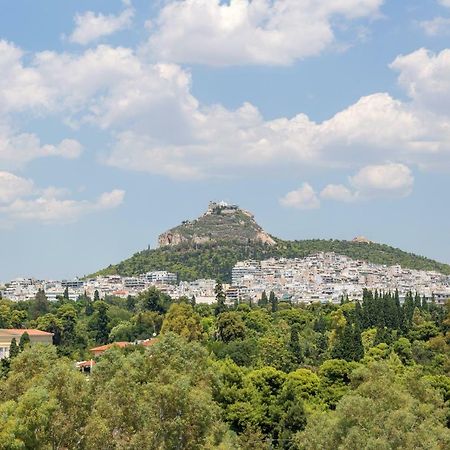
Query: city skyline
[(120, 119)]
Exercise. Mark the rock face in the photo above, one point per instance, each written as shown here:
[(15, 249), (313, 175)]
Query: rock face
[(362, 240), (220, 223)]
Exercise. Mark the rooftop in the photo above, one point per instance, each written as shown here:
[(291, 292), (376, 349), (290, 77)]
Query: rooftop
[(20, 331)]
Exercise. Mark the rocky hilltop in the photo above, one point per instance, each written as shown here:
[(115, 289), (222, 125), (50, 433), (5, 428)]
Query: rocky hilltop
[(220, 223)]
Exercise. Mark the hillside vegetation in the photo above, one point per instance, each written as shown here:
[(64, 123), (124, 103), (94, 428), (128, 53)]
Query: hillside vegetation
[(215, 260)]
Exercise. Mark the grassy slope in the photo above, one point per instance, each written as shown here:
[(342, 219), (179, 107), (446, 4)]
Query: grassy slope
[(216, 260)]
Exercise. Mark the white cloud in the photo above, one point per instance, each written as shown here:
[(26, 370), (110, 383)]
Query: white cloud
[(388, 180), (13, 187), (437, 26), (21, 88), (158, 126), (445, 3), (426, 78), (393, 180), (250, 31), (90, 27), (18, 149), (302, 198), (51, 209), (21, 199), (339, 193)]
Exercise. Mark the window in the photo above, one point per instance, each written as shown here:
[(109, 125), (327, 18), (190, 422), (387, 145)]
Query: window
[(4, 352)]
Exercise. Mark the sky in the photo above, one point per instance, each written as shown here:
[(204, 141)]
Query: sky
[(119, 119)]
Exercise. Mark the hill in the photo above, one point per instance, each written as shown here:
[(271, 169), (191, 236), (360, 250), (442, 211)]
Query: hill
[(209, 246), (220, 223)]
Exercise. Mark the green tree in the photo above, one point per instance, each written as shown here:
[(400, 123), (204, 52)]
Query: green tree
[(273, 300), (294, 344), (40, 305), (230, 326), (24, 341), (385, 411), (220, 299), (184, 321), (99, 322), (13, 349), (263, 301)]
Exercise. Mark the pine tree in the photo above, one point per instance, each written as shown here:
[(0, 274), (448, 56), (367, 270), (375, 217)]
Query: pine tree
[(13, 349), (96, 296)]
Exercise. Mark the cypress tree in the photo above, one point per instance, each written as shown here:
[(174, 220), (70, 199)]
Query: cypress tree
[(13, 349), (273, 300), (263, 301), (100, 322), (424, 303), (294, 344), (358, 348), (66, 293), (220, 299), (24, 340), (417, 301)]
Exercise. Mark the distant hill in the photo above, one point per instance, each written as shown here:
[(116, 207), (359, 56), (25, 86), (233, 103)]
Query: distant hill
[(209, 246)]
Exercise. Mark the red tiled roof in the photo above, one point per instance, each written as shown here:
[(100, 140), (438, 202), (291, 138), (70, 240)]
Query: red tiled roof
[(20, 331), (149, 342), (103, 348)]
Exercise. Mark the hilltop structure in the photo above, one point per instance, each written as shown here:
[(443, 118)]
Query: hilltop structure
[(221, 222)]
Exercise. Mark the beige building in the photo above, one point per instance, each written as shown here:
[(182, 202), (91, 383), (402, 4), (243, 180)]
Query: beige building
[(36, 337)]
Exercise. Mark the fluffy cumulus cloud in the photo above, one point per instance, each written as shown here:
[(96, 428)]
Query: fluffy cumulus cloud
[(339, 193), (389, 180), (250, 31), (18, 149), (20, 199), (386, 179), (156, 124), (90, 27), (302, 198), (426, 78), (12, 187)]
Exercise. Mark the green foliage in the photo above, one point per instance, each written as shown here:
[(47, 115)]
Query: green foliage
[(384, 411), (230, 326), (184, 321), (248, 377)]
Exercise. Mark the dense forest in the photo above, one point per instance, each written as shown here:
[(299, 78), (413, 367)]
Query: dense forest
[(215, 260), (360, 375)]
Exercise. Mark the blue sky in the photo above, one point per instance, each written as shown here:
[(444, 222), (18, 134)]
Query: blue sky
[(119, 119)]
